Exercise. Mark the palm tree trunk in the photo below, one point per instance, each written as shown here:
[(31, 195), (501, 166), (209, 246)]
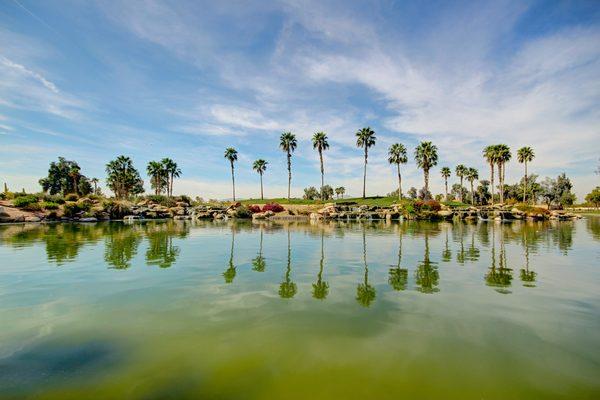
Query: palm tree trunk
[(461, 188), (261, 189), (322, 173), (492, 181), (500, 188), (426, 174), (289, 162), (472, 194), (446, 187), (171, 186), (365, 175), (399, 183), (233, 180), (525, 184)]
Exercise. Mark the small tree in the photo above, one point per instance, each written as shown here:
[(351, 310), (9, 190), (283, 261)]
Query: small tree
[(339, 191), (326, 192), (412, 193), (594, 197), (310, 193)]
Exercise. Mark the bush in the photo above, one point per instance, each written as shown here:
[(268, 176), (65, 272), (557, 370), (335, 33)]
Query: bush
[(33, 207), (429, 205), (24, 201), (273, 207), (254, 208), (162, 200), (185, 199), (48, 205), (243, 212), (72, 209), (117, 209), (71, 197)]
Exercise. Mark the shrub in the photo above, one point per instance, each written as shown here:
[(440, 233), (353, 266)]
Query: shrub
[(72, 209), (253, 208), (71, 197), (162, 200), (243, 212), (49, 205), (432, 205), (117, 209), (24, 201), (273, 207), (185, 199), (33, 207)]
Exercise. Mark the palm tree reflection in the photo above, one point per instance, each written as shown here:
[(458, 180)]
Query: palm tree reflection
[(398, 277), (427, 275), (258, 263), (320, 287), (527, 276), (229, 273), (161, 250), (365, 293), (501, 277), (447, 253), (287, 288)]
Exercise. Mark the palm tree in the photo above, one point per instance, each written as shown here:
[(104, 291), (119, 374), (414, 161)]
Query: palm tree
[(365, 138), (503, 156), (173, 172), (123, 178), (74, 174), (426, 157), (95, 182), (320, 287), (525, 155), (472, 175), (490, 154), (320, 143), (231, 155), (340, 191), (397, 155), (288, 143), (260, 166), (446, 174), (156, 172), (461, 171)]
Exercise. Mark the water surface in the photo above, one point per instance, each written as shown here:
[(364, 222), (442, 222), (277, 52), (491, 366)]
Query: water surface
[(292, 310)]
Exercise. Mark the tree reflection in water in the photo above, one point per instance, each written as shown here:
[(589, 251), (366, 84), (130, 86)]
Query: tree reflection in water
[(427, 275), (258, 263), (447, 253), (321, 287), (527, 276), (365, 293), (161, 250), (398, 277), (501, 277), (121, 246), (229, 273), (287, 288)]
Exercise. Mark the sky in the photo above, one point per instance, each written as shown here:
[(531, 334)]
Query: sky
[(91, 80)]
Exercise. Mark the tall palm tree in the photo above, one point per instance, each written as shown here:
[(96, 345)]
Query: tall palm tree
[(75, 174), (339, 191), (446, 174), (95, 183), (525, 155), (503, 156), (173, 171), (490, 155), (288, 143), (472, 175), (365, 138), (156, 171), (231, 154), (260, 166), (320, 143), (461, 171), (397, 155), (426, 157)]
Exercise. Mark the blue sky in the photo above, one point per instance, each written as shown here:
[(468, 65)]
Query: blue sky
[(149, 79)]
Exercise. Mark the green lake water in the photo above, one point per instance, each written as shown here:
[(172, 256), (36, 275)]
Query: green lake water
[(230, 310)]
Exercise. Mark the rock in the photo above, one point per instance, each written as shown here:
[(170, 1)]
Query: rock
[(445, 213), (269, 213), (315, 216), (259, 215), (220, 216), (32, 218), (6, 219), (182, 204), (88, 219)]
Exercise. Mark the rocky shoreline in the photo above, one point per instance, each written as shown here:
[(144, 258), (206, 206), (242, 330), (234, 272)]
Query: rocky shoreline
[(349, 211)]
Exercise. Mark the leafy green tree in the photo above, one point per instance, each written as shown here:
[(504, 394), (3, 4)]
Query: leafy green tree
[(446, 174), (231, 155), (397, 155), (326, 192), (491, 155), (320, 287), (525, 155), (260, 166), (412, 193), (288, 143), (594, 197), (339, 191), (122, 178), (365, 138), (557, 191), (426, 157), (310, 193), (63, 177), (173, 170), (482, 194), (320, 143), (472, 175), (461, 171)]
